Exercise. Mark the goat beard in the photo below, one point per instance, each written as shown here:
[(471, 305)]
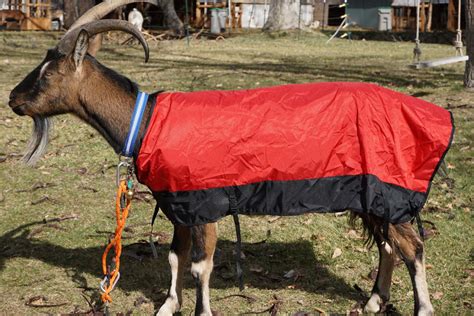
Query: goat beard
[(39, 140)]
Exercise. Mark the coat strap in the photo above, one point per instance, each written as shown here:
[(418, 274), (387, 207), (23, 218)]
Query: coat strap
[(238, 246)]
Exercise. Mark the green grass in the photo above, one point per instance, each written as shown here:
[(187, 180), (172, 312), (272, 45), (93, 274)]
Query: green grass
[(61, 261)]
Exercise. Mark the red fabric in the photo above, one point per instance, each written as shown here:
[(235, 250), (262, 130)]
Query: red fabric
[(213, 139)]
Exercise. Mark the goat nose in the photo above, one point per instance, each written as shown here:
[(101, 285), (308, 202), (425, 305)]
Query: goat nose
[(12, 95)]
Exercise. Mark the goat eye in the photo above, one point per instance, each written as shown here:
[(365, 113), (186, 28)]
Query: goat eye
[(48, 74)]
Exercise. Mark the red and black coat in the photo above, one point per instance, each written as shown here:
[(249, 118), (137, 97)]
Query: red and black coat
[(293, 149)]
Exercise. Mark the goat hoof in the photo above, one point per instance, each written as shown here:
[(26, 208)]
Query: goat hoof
[(216, 313), (170, 307), (374, 304), (427, 311)]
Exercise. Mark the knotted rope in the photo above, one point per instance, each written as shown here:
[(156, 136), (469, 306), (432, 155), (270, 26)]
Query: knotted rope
[(123, 203)]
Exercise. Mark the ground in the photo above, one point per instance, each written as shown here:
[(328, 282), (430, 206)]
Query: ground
[(56, 218)]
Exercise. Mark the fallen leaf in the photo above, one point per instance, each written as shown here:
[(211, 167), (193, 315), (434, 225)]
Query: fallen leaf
[(82, 171), (257, 269), (437, 295), (337, 252), (353, 234)]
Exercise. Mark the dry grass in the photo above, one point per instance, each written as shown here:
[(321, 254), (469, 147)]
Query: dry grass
[(60, 260)]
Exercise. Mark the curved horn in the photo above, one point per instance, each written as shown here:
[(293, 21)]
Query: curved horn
[(102, 9), (67, 43)]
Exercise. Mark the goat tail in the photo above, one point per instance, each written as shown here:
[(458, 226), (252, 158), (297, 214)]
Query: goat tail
[(371, 226)]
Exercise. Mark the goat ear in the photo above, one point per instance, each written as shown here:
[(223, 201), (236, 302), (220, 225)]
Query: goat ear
[(80, 50)]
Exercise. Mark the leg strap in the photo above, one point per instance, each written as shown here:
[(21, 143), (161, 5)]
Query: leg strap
[(419, 223), (150, 240), (238, 246)]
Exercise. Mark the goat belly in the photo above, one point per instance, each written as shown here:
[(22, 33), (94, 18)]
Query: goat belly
[(293, 149)]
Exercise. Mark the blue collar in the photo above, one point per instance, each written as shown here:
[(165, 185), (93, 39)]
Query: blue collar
[(135, 123)]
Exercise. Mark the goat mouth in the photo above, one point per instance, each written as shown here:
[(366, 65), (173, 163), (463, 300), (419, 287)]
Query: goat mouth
[(18, 109)]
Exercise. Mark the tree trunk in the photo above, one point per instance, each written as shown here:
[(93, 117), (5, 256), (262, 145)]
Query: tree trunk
[(73, 9), (469, 71), (283, 15), (171, 19)]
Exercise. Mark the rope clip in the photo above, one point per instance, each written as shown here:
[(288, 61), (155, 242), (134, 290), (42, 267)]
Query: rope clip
[(124, 171), (106, 281)]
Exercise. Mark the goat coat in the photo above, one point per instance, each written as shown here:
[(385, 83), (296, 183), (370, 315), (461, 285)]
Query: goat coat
[(288, 150)]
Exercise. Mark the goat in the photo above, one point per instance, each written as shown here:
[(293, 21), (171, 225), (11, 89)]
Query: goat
[(71, 80)]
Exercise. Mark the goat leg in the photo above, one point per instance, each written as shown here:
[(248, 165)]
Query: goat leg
[(204, 238), (178, 256)]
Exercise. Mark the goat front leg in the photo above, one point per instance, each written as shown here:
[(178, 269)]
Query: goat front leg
[(381, 290), (177, 257), (410, 247), (204, 238)]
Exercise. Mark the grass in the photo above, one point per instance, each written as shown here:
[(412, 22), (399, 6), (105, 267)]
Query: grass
[(61, 260)]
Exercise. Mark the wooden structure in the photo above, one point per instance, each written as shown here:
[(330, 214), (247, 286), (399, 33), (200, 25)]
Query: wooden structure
[(234, 19), (404, 16), (27, 15), (453, 15), (202, 8), (440, 15)]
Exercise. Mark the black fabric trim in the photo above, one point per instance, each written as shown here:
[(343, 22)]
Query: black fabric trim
[(359, 193)]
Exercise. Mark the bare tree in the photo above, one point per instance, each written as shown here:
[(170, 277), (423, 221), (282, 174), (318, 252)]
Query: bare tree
[(469, 71), (73, 9), (283, 15), (171, 19)]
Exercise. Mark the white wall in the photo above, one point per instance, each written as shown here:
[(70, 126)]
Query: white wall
[(3, 5), (255, 16)]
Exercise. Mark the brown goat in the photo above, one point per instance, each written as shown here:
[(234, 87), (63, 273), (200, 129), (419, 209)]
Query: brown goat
[(69, 80)]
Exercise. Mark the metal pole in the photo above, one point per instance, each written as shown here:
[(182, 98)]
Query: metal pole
[(418, 21), (186, 21), (299, 18), (324, 13), (229, 14)]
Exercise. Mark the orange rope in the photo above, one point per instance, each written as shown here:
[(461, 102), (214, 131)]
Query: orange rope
[(121, 214)]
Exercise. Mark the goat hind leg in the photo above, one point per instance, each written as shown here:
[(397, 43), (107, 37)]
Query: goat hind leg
[(178, 256), (410, 247), (204, 238), (381, 290)]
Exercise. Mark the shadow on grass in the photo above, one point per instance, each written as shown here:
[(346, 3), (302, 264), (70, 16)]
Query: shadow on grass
[(151, 276), (343, 67)]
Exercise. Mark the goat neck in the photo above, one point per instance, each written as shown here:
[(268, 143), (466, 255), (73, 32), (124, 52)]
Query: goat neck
[(106, 102)]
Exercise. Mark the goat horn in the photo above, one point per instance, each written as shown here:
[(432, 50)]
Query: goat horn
[(67, 43), (102, 9)]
